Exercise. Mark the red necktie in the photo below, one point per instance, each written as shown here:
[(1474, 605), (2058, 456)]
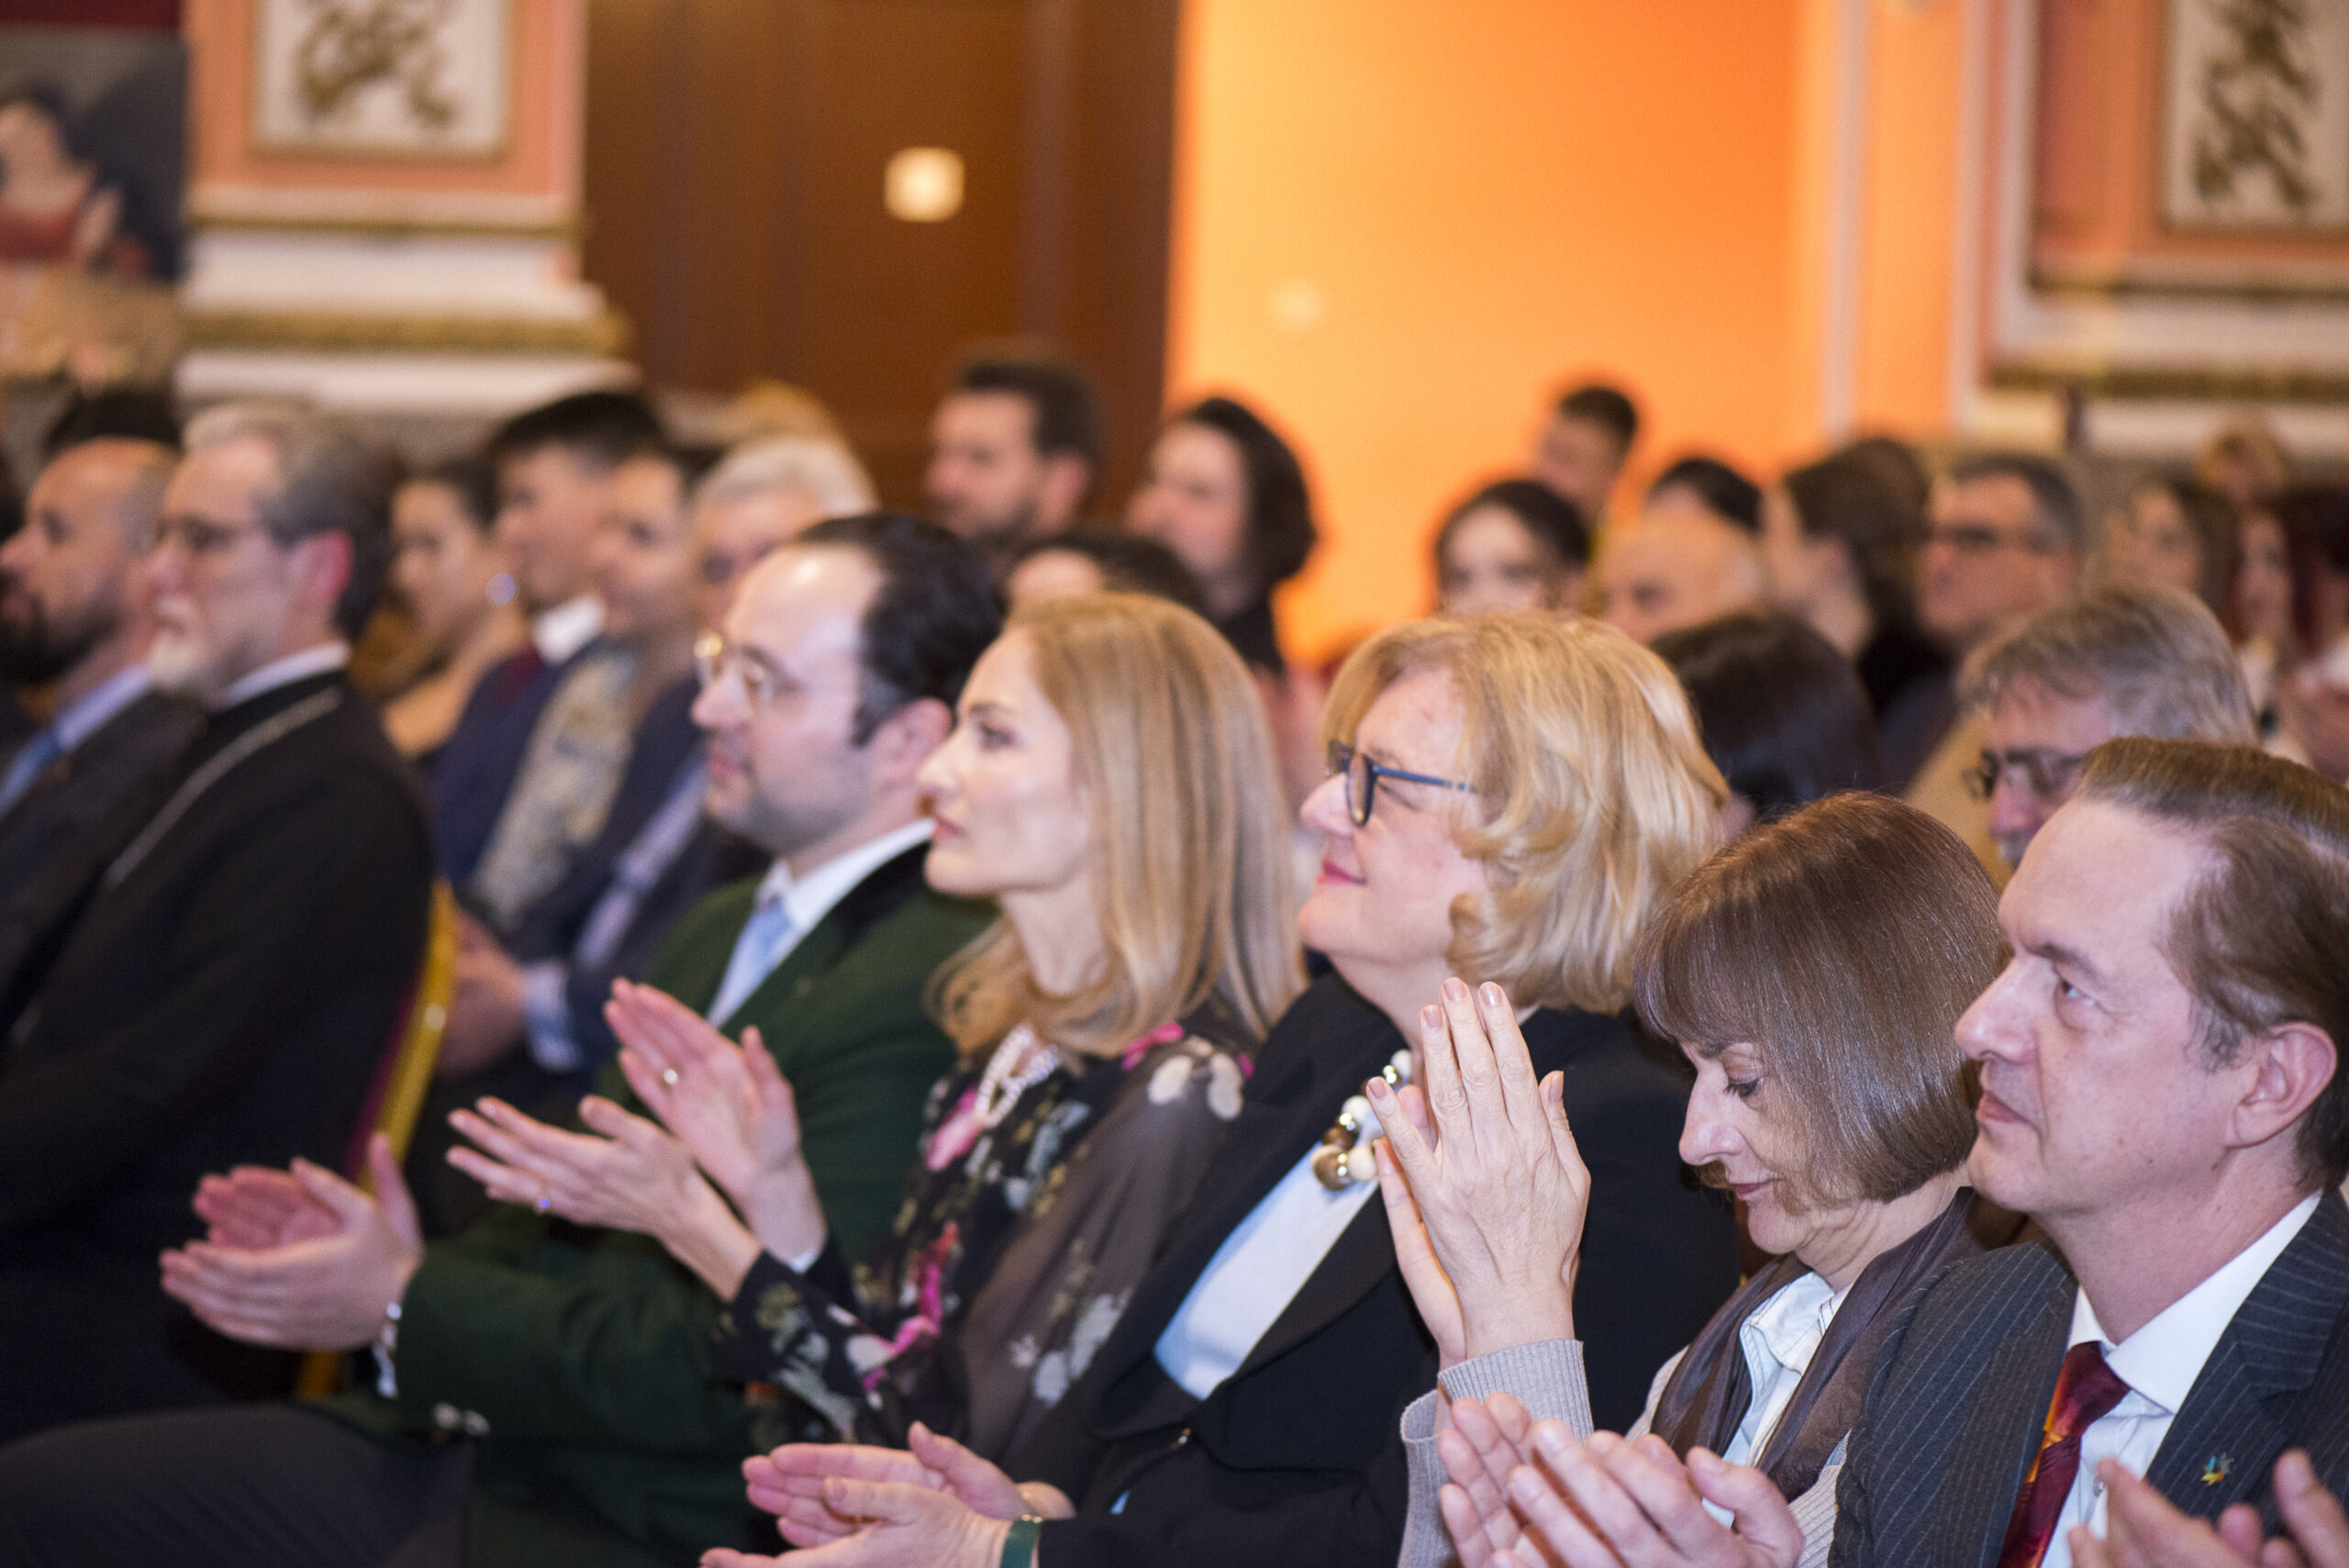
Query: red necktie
[(2085, 1390)]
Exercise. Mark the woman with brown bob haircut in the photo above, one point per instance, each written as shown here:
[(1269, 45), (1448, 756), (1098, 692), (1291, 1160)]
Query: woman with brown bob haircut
[(1813, 972)]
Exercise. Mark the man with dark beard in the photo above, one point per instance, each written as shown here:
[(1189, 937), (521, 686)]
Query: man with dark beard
[(75, 620)]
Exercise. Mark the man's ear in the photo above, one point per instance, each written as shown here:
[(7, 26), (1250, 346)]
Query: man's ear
[(904, 740), (1068, 477), (2297, 1060), (322, 565)]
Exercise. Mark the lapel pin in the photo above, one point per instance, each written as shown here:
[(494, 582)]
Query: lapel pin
[(2214, 1469)]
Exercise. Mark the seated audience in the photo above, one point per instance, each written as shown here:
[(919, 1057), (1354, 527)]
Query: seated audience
[(224, 990), (1812, 974), (2118, 662), (1227, 494), (1111, 784), (1841, 545), (2160, 1089), (554, 472), (1580, 450), (1680, 561), (76, 615), (1896, 465), (1517, 545), (544, 1391), (542, 985), (1781, 714), (1015, 450), (1100, 561), (454, 582), (2173, 533), (2004, 542), (2262, 610), (1510, 799)]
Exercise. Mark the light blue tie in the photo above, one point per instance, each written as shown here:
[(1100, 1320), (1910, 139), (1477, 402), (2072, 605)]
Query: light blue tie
[(756, 952), (37, 753)]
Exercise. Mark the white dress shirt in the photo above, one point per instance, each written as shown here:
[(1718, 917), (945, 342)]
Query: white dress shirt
[(2159, 1363), (1778, 1340), (1254, 1274), (806, 900), (563, 630), (283, 672)]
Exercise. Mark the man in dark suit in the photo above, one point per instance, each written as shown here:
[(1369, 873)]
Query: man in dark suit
[(555, 466), (576, 1360), (226, 988), (2161, 1090), (75, 617)]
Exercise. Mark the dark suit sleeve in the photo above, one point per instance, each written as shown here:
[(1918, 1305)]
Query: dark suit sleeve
[(1360, 1521), (1854, 1542), (861, 1101), (274, 926), (603, 1344)]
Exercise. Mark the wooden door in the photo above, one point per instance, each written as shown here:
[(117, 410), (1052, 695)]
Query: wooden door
[(735, 157)]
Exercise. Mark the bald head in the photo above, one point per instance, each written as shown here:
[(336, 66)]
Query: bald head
[(74, 607), (1676, 565)]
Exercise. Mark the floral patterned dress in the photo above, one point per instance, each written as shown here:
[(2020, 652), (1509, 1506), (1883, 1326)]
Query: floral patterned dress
[(1012, 1255)]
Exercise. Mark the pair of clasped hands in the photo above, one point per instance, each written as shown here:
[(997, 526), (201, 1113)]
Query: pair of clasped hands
[(1486, 1193)]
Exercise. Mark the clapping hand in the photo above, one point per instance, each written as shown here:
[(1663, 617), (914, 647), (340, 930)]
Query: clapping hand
[(2143, 1529), (1485, 1189), (729, 1106), (1609, 1503), (312, 1289), (253, 1207), (632, 1177)]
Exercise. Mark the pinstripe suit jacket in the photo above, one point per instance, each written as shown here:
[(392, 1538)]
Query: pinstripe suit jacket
[(1954, 1413)]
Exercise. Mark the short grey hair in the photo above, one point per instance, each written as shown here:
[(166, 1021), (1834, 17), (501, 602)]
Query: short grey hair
[(824, 471), (331, 478), (2155, 657)]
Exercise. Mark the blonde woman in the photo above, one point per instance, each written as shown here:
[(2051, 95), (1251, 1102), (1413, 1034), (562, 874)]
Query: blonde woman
[(1511, 799), (1109, 784)]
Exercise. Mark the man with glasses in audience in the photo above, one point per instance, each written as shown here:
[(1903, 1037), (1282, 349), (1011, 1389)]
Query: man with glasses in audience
[(222, 991), (2119, 662), (542, 1390), (2005, 541)]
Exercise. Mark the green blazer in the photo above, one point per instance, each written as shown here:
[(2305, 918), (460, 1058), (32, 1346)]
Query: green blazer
[(579, 1357)]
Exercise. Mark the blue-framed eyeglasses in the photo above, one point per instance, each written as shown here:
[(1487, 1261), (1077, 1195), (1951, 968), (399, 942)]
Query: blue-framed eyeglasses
[(1361, 777)]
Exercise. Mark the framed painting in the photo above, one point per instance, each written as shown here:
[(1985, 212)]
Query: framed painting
[(2255, 115), (429, 79)]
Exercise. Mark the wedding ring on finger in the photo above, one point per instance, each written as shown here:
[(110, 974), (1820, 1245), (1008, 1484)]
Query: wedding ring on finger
[(546, 1200)]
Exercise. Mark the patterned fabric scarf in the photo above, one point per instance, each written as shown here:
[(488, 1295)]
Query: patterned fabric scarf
[(1705, 1401)]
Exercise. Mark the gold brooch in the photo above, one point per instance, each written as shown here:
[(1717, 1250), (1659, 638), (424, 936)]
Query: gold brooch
[(1344, 1157)]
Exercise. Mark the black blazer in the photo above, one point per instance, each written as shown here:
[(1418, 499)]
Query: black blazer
[(224, 995), (1953, 1415), (1297, 1457), (55, 838), (473, 771)]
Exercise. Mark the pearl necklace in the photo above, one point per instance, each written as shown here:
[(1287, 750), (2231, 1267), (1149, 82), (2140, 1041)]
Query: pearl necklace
[(1344, 1157), (1019, 1064)]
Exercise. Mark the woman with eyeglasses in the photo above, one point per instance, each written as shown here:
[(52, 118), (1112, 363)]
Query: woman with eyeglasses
[(1109, 784), (1511, 798)]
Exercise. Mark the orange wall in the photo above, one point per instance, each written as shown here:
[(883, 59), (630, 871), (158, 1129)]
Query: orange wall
[(1399, 223)]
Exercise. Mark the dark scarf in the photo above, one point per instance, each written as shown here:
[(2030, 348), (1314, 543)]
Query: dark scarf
[(1705, 1399)]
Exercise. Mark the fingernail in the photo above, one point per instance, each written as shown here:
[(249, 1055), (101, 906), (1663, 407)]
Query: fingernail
[(1431, 1017), (1492, 994), (1551, 1438), (1376, 1089), (1455, 989)]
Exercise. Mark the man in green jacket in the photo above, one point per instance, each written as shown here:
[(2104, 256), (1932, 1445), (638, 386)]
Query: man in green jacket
[(543, 1390)]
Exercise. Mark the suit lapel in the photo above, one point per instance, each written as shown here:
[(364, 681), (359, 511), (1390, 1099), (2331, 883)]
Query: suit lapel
[(2237, 1418), (1286, 1112), (2016, 1382), (1363, 1254)]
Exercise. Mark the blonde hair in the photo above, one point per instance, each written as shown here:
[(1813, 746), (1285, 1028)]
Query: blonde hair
[(1596, 796), (1189, 836)]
